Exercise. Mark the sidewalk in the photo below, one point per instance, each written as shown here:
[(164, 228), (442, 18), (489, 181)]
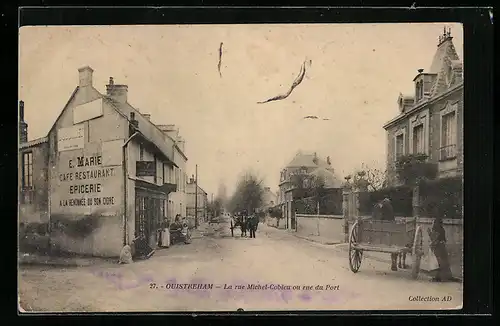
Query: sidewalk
[(317, 239), (36, 259)]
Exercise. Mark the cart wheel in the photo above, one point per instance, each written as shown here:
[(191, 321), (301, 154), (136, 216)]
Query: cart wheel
[(417, 252), (355, 255)]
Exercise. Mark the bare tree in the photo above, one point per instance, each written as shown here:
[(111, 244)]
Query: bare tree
[(375, 179), (248, 194)]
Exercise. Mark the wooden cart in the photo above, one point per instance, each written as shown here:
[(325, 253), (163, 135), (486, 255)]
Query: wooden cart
[(392, 237)]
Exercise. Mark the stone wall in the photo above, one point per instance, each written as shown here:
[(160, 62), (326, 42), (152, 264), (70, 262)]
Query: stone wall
[(327, 226)]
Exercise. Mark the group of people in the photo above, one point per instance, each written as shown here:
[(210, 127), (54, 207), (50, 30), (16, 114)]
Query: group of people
[(141, 249), (383, 210), (246, 223)]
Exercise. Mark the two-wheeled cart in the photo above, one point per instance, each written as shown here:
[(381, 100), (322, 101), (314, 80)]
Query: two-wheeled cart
[(392, 237)]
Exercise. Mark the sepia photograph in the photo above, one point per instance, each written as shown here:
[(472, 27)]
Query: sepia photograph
[(240, 167)]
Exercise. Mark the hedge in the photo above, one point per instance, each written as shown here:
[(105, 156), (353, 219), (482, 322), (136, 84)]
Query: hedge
[(401, 199), (442, 197), (330, 204)]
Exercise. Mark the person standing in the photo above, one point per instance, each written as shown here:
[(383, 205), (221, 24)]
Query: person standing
[(437, 235), (165, 234), (251, 222)]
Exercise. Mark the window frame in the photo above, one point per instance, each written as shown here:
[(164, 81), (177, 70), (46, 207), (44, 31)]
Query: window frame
[(451, 108), (400, 133), (141, 152), (27, 185), (420, 119)]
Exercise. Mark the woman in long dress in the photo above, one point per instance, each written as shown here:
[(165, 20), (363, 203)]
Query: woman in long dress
[(438, 246), (165, 234)]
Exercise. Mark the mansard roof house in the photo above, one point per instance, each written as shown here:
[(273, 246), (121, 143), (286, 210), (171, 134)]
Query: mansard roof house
[(430, 121)]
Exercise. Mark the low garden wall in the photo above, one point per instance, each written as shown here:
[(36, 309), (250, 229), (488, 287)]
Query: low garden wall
[(327, 226)]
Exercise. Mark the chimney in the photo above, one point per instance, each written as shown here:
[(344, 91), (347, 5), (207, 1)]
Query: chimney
[(85, 76), (134, 122), (445, 36), (328, 160), (117, 92), (23, 126), (315, 158), (147, 116)]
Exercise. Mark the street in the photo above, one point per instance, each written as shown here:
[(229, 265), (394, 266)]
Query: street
[(293, 270)]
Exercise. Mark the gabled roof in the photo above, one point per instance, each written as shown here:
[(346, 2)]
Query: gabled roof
[(269, 196), (64, 108), (33, 142), (150, 131)]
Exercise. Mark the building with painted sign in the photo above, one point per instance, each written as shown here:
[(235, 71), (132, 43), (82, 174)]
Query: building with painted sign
[(110, 172)]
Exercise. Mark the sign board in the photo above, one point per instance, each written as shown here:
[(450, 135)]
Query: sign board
[(145, 168), (83, 185), (87, 111), (71, 138)]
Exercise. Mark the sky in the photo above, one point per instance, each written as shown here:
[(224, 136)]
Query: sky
[(355, 75)]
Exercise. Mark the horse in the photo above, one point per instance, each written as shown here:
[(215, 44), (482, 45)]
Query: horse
[(242, 223)]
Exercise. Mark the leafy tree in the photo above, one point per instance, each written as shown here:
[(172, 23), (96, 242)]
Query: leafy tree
[(412, 169)]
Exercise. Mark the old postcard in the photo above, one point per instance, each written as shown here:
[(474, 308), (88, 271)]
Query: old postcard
[(265, 167)]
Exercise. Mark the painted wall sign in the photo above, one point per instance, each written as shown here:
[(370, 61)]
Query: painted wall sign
[(85, 185), (87, 111), (145, 168), (71, 138)]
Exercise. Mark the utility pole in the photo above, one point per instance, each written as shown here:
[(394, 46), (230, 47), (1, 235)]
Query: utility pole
[(196, 197)]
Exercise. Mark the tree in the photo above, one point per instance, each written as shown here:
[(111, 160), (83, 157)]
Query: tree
[(248, 194), (222, 193), (374, 179), (413, 168)]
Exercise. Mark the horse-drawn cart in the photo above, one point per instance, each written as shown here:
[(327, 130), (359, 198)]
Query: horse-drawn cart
[(392, 237)]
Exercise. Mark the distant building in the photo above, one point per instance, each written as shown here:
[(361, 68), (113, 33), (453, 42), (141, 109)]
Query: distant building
[(199, 205), (430, 121), (269, 199), (307, 164), (105, 170), (177, 200)]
